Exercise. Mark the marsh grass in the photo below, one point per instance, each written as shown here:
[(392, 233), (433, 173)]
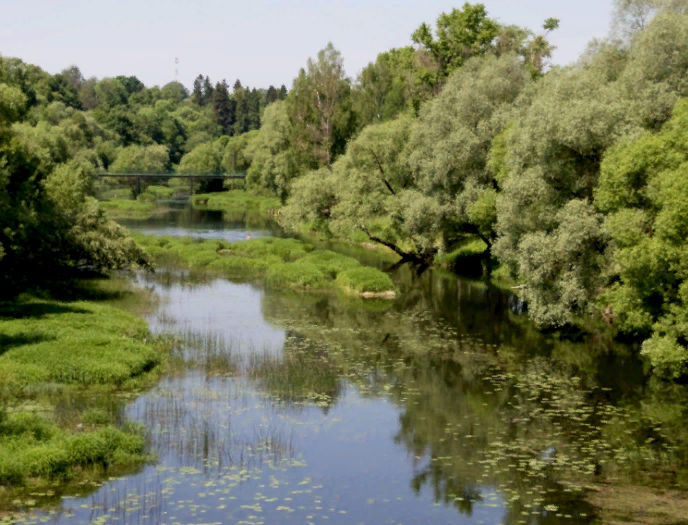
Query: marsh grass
[(364, 279), (70, 343), (32, 448), (283, 263), (234, 201), (209, 352), (144, 208), (297, 375)]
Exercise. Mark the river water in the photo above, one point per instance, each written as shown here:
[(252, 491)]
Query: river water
[(444, 406)]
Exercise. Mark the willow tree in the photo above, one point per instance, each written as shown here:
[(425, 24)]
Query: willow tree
[(550, 234), (451, 140), (275, 158)]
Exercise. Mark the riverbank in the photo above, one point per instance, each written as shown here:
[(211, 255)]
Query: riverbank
[(237, 201), (53, 351)]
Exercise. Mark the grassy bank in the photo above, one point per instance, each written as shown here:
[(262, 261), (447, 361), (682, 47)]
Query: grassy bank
[(132, 209), (52, 351), (283, 263), (237, 201)]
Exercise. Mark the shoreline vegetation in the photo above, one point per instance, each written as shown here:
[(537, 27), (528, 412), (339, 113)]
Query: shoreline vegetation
[(82, 347), (282, 263)]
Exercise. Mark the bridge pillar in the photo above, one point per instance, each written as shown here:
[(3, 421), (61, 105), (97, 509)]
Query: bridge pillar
[(138, 186), (191, 182)]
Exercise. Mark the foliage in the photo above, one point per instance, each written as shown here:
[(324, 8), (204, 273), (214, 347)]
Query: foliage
[(141, 159), (643, 192), (550, 234), (275, 161), (319, 107)]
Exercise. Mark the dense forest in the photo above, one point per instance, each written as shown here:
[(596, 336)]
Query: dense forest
[(575, 178)]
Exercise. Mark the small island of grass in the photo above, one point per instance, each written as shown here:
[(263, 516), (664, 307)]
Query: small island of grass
[(282, 263)]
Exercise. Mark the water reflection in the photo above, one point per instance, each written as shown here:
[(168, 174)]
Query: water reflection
[(443, 406)]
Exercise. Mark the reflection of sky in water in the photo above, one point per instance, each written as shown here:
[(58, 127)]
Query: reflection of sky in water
[(220, 307), (230, 455), (204, 233)]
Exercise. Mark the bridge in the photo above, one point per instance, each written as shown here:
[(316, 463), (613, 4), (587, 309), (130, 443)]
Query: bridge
[(193, 177)]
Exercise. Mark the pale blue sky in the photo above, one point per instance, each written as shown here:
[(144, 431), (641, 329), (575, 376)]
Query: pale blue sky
[(262, 42)]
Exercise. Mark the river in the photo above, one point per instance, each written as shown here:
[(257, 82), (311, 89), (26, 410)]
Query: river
[(444, 406)]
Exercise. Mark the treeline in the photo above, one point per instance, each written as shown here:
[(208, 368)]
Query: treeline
[(575, 178), (57, 131)]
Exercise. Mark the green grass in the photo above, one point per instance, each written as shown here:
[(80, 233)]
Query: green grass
[(51, 350), (77, 343), (469, 250), (32, 448), (365, 279), (130, 209), (298, 275), (161, 192), (330, 263), (236, 201), (284, 263)]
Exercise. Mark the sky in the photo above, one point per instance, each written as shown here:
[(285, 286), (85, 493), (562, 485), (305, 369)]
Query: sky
[(260, 42)]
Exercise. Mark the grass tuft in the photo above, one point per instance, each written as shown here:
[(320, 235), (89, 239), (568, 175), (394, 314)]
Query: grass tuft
[(365, 279)]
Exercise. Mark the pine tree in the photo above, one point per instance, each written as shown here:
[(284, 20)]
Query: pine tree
[(254, 109), (271, 95), (237, 85), (207, 91), (224, 108), (198, 90), (241, 96), (282, 92)]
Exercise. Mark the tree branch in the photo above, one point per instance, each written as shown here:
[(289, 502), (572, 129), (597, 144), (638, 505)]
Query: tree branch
[(379, 164), (389, 245)]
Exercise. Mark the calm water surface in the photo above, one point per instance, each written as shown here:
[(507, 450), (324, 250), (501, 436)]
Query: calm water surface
[(444, 406)]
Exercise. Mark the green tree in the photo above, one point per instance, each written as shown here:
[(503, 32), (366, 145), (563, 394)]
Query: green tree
[(224, 108), (317, 105), (451, 140), (197, 94), (236, 156), (643, 191), (111, 94), (550, 234), (141, 159), (174, 92), (275, 160), (459, 35), (282, 95), (271, 95)]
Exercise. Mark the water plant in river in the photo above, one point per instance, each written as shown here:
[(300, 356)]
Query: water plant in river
[(284, 263)]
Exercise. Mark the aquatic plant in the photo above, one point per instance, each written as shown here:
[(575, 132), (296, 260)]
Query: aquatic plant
[(363, 280)]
